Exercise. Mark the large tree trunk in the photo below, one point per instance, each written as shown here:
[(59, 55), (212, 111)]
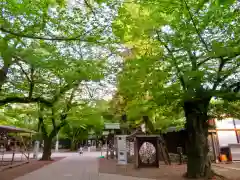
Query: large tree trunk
[(47, 149), (196, 125)]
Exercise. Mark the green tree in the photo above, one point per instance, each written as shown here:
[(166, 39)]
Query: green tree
[(23, 116), (32, 30), (80, 122), (222, 108), (54, 85), (49, 51), (183, 53)]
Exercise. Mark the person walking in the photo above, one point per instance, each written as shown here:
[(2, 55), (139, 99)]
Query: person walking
[(80, 150)]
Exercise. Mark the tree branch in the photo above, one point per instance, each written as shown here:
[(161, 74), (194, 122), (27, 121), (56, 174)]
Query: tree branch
[(41, 124), (76, 38), (53, 118), (219, 79), (23, 71), (31, 83), (57, 129), (31, 36), (175, 62), (63, 116), (235, 87), (226, 95), (71, 98), (203, 61), (193, 60), (63, 90), (195, 27), (224, 57), (230, 72), (29, 79), (90, 7), (24, 100)]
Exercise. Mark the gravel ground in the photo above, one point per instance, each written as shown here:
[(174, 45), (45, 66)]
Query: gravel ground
[(164, 172)]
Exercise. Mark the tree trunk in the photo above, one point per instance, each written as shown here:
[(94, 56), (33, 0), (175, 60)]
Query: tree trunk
[(73, 145), (97, 142), (197, 128), (47, 149)]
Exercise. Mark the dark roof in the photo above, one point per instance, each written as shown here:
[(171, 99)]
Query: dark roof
[(173, 129), (9, 129)]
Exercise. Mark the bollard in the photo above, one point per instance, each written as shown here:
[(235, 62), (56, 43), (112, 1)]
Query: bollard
[(180, 153)]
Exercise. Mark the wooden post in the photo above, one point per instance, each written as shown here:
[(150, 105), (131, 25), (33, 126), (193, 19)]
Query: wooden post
[(158, 152), (107, 148), (13, 155), (29, 146), (179, 150), (136, 152)]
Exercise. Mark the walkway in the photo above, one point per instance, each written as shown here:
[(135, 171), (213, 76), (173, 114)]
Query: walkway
[(74, 167)]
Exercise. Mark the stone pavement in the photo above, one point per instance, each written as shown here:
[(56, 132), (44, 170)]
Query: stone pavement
[(75, 167), (229, 171)]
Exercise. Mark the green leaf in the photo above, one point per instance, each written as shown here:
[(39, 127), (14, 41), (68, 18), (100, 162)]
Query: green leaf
[(225, 2)]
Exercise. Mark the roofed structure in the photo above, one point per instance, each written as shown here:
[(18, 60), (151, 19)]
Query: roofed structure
[(12, 129), (138, 131)]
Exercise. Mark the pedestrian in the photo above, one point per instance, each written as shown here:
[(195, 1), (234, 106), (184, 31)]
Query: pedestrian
[(80, 150)]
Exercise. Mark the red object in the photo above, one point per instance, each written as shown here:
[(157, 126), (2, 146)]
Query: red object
[(211, 122), (230, 158)]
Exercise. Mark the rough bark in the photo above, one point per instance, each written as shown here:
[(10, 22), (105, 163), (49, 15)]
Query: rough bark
[(196, 125), (47, 149)]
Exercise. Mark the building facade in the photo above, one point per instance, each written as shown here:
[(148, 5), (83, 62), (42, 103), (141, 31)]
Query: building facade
[(228, 131)]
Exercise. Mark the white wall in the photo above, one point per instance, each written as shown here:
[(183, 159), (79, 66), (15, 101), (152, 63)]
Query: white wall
[(225, 123), (237, 122), (226, 137)]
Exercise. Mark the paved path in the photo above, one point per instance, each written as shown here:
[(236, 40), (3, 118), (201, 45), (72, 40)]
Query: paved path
[(74, 167)]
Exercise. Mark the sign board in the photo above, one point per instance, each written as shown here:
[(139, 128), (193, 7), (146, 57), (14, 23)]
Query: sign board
[(122, 149), (112, 126), (105, 133), (91, 136)]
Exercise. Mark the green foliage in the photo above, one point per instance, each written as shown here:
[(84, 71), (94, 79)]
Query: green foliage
[(193, 54), (24, 116), (81, 122), (220, 109), (50, 51)]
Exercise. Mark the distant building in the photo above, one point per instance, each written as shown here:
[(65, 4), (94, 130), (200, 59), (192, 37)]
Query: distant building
[(223, 133)]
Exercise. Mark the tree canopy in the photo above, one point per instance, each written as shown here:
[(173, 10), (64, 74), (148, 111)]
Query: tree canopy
[(182, 54), (191, 49), (176, 57), (53, 56)]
